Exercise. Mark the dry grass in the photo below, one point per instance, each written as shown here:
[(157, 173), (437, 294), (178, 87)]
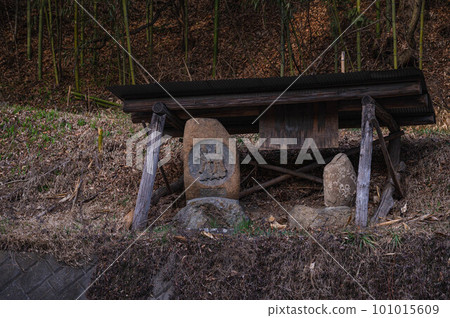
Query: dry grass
[(59, 195)]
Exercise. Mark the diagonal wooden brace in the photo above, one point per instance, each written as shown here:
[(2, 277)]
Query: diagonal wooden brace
[(387, 158)]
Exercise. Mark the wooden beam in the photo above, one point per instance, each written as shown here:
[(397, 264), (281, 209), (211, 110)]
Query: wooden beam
[(309, 167), (148, 172), (161, 109), (390, 166), (294, 173), (290, 97), (364, 166), (382, 114), (402, 102)]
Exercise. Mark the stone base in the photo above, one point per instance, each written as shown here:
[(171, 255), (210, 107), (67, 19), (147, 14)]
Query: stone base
[(331, 217), (211, 212)]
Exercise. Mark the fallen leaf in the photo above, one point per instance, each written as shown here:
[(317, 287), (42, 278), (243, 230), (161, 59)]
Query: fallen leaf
[(207, 234), (271, 219), (277, 226), (180, 238), (128, 220)]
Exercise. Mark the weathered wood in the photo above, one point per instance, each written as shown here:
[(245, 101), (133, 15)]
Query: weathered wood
[(309, 167), (390, 166), (410, 102), (382, 114), (290, 97), (161, 109), (294, 173), (364, 166), (148, 173), (402, 120), (318, 121), (387, 196), (390, 103)]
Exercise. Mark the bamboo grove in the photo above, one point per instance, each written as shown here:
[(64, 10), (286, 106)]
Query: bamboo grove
[(46, 20)]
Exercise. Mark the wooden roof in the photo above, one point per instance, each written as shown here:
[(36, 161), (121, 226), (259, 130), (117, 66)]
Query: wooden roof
[(236, 103)]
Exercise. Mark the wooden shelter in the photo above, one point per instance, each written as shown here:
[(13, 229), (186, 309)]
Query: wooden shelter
[(312, 106)]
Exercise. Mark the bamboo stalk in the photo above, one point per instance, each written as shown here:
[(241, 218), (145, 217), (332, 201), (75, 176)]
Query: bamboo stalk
[(81, 47), (186, 29), (378, 25), (48, 16), (289, 44), (75, 40), (97, 100), (282, 40), (41, 22), (100, 140), (29, 29), (216, 37), (422, 13), (297, 41), (388, 15), (394, 34), (94, 52), (358, 36), (149, 18), (336, 16), (127, 31)]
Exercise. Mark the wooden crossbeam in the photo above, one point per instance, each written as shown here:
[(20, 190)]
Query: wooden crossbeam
[(161, 109), (294, 173)]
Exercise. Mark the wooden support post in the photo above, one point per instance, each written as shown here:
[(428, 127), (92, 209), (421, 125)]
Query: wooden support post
[(365, 160), (161, 109), (148, 172), (393, 153)]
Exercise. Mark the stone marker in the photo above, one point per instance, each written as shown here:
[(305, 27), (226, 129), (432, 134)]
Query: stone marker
[(331, 217), (211, 212), (339, 182), (211, 177), (209, 156)]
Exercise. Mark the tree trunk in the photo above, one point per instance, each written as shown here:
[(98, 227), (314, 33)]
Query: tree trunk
[(75, 41), (358, 35), (41, 26), (394, 34), (29, 29), (216, 37), (127, 32)]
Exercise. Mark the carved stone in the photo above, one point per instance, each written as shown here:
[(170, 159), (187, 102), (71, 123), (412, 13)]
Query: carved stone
[(211, 166)]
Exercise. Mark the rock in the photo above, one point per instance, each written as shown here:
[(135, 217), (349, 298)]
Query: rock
[(210, 158), (339, 182), (210, 213), (163, 286), (330, 217)]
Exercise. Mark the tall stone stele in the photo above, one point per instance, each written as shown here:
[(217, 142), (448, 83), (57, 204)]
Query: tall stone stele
[(211, 166), (211, 177)]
